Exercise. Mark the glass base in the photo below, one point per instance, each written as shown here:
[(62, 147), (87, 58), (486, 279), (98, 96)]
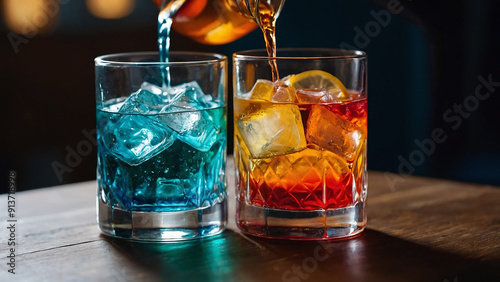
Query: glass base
[(162, 226), (301, 225)]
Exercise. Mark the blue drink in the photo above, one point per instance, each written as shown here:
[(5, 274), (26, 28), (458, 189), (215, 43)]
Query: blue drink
[(179, 177), (161, 161)]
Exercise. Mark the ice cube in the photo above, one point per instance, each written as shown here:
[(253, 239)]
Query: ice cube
[(193, 127), (151, 99), (135, 139), (314, 96), (146, 100), (172, 112), (334, 133), (196, 96), (153, 88), (262, 90), (284, 93), (269, 91), (113, 105), (171, 94), (273, 131)]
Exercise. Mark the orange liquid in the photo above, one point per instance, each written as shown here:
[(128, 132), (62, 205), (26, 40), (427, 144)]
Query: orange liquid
[(267, 23), (211, 22), (318, 177)]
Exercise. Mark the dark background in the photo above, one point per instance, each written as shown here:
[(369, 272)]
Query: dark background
[(422, 62)]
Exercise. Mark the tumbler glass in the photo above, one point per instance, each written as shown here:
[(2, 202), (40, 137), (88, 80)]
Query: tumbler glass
[(161, 131), (300, 143)]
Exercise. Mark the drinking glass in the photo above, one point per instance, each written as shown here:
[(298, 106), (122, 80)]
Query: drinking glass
[(300, 143), (161, 131)]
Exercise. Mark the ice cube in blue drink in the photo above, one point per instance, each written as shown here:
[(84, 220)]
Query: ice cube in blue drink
[(146, 100), (196, 97), (134, 135), (172, 94), (193, 127), (153, 117), (135, 139)]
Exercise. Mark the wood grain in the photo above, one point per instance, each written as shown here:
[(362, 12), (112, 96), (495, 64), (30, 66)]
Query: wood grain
[(419, 230)]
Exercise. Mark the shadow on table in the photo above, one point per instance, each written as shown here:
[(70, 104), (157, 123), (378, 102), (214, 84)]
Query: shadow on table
[(372, 256)]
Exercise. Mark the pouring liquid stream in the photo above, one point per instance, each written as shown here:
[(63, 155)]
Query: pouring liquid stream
[(266, 14), (165, 19), (263, 12)]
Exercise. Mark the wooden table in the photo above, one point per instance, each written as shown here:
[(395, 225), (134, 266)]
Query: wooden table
[(419, 230)]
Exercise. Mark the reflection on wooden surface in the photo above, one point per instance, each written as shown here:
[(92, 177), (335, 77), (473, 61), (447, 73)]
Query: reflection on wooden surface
[(420, 230)]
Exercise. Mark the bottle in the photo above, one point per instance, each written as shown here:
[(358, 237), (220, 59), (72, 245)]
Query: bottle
[(212, 22)]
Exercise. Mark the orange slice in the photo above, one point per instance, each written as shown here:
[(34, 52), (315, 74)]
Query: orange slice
[(317, 79)]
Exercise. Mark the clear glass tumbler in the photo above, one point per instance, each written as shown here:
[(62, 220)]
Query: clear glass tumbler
[(161, 131), (300, 143)]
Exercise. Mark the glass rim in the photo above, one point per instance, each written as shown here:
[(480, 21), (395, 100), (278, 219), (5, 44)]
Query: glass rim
[(110, 59), (336, 54)]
